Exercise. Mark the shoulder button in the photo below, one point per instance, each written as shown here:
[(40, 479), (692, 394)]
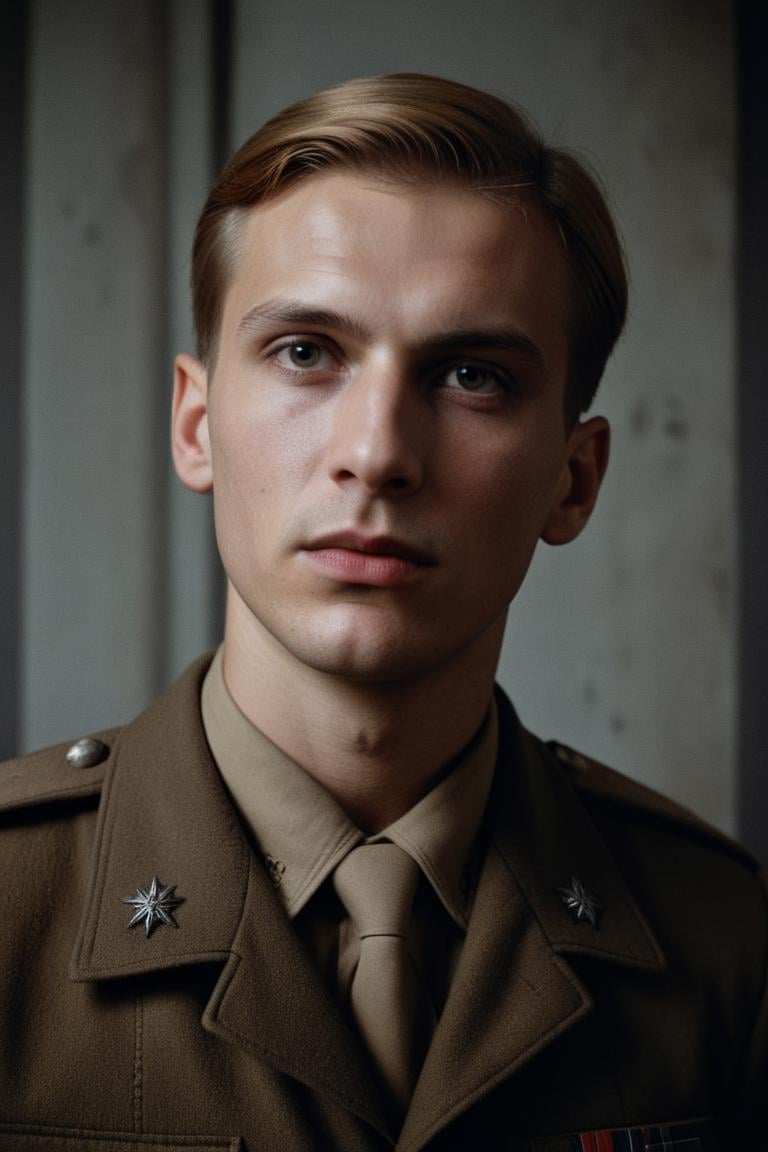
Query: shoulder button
[(602, 783), (87, 752), (569, 756)]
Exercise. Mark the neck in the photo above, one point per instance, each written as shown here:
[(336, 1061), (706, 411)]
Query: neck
[(376, 747)]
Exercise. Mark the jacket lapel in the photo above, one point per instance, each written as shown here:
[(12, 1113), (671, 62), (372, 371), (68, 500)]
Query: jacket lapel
[(514, 992), (271, 1002), (164, 812)]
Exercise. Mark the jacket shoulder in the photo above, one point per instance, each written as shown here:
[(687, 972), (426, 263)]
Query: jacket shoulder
[(66, 771), (597, 781)]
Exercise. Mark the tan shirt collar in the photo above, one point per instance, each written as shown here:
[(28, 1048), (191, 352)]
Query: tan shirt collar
[(303, 833)]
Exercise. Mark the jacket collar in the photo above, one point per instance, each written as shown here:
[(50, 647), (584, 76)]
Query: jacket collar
[(164, 812), (546, 838), (302, 831), (162, 809)]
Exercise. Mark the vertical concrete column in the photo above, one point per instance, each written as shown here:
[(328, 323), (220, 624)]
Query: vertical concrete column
[(753, 422), (12, 62), (95, 385)]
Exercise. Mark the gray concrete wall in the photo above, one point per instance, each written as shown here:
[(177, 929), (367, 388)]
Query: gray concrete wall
[(624, 643), (119, 568), (95, 390)]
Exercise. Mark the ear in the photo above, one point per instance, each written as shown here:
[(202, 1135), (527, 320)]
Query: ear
[(190, 444), (583, 471)]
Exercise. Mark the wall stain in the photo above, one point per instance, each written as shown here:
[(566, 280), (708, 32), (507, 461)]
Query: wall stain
[(589, 693), (640, 418), (676, 428), (92, 234), (676, 424), (617, 723)]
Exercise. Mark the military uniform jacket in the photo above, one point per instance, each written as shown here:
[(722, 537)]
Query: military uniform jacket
[(219, 1033)]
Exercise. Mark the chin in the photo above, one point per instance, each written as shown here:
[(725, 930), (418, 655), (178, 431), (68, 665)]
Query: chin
[(360, 662), (358, 654)]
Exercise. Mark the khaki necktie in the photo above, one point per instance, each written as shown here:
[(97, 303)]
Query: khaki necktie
[(377, 884)]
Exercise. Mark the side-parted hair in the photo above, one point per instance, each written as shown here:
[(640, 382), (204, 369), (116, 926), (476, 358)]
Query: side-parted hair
[(415, 129)]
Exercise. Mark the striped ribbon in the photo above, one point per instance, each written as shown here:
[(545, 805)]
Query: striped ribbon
[(688, 1137)]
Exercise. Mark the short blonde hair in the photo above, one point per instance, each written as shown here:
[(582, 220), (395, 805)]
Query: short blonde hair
[(410, 128)]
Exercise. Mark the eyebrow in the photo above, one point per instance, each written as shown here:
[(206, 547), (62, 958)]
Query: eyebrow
[(283, 311)]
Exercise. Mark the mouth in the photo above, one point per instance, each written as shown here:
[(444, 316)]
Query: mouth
[(372, 546), (382, 561)]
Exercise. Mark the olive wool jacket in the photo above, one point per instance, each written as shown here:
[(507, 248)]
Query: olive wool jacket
[(613, 978)]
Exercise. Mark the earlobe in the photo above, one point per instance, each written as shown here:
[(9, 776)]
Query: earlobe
[(583, 472), (190, 444)]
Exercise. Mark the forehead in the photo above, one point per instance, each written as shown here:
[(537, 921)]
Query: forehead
[(407, 258)]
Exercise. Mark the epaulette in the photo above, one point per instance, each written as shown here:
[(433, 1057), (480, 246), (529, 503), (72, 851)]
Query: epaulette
[(61, 772), (588, 775)]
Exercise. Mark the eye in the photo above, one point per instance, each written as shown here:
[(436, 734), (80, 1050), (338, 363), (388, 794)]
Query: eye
[(299, 355), (471, 377)]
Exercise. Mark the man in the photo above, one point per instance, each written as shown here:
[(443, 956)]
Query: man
[(327, 893)]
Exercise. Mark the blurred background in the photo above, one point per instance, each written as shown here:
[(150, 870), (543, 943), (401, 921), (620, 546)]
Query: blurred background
[(642, 644)]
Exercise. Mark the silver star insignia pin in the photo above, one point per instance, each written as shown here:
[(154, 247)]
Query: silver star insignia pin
[(154, 905), (582, 905)]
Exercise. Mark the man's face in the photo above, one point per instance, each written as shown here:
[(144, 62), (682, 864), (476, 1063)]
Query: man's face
[(425, 406)]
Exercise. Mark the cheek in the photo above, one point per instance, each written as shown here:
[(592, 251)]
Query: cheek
[(261, 454), (501, 471), (507, 491)]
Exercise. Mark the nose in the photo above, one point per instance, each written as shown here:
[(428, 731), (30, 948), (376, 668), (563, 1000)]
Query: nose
[(379, 433)]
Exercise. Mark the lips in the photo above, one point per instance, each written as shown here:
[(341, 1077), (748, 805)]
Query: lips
[(350, 558), (372, 545)]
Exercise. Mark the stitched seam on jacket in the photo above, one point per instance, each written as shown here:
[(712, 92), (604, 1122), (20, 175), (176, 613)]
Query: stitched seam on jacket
[(101, 864), (138, 1096), (86, 788), (57, 1132)]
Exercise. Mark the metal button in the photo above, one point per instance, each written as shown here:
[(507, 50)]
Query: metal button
[(87, 752), (569, 757)]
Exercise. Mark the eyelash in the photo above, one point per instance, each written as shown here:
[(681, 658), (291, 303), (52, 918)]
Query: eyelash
[(503, 379)]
